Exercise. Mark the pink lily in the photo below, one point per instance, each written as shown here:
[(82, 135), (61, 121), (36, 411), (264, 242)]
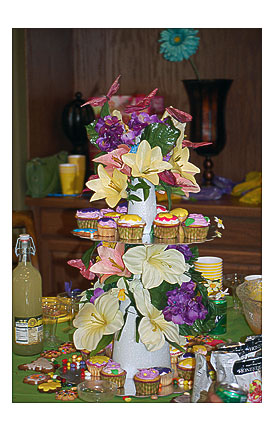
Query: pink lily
[(180, 116), (113, 160), (86, 273), (186, 185), (190, 144), (111, 262), (143, 104), (99, 101)]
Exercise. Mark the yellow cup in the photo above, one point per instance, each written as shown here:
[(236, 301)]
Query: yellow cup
[(67, 172), (79, 161)]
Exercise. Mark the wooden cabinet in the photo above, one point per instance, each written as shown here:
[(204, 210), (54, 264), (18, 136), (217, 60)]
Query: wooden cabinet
[(239, 247)]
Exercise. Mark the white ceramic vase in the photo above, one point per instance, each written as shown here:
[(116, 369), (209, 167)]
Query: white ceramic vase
[(132, 355), (147, 210)]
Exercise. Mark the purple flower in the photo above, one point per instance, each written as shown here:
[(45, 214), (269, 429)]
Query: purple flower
[(138, 122), (97, 292), (110, 131), (184, 249), (183, 306)]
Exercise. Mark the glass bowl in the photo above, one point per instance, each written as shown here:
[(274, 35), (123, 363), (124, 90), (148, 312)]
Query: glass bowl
[(250, 294), (232, 281), (96, 391)]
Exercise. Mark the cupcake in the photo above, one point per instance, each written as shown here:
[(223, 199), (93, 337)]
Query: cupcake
[(186, 368), (114, 215), (166, 225), (130, 226), (87, 233), (87, 217), (161, 209), (196, 227), (147, 381), (166, 375), (181, 213), (122, 208), (114, 373), (106, 226), (96, 363)]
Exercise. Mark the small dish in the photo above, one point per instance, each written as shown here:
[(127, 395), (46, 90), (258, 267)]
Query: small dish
[(96, 391)]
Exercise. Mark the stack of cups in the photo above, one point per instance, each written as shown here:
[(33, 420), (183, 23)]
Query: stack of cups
[(211, 269), (79, 161), (67, 172)]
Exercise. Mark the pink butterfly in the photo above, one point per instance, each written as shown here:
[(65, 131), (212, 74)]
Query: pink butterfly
[(143, 104), (190, 144), (99, 101), (180, 116)]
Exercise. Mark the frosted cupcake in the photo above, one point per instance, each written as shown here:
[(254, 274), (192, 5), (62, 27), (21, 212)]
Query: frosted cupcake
[(122, 208), (181, 213), (130, 226), (175, 354), (186, 368), (166, 375), (147, 381), (96, 363), (87, 218), (114, 373), (106, 226), (196, 227), (103, 211), (166, 225)]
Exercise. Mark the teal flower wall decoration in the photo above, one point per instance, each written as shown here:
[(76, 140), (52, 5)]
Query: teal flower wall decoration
[(177, 44)]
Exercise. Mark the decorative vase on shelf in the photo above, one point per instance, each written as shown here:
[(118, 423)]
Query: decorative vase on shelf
[(146, 209), (207, 99)]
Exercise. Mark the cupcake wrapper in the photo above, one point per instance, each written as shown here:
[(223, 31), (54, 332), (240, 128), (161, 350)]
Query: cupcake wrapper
[(86, 223), (166, 232), (194, 233), (130, 232), (147, 388), (95, 371), (118, 380), (105, 231), (167, 379), (185, 374)]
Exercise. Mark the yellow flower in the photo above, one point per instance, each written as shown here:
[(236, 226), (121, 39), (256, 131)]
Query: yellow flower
[(156, 264), (111, 188), (95, 320), (147, 162), (153, 327), (180, 164)]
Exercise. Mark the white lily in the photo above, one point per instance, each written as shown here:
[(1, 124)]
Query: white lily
[(153, 328), (95, 320), (119, 291), (156, 264), (147, 162)]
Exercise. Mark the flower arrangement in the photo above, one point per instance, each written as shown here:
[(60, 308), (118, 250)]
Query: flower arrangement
[(159, 281), (177, 44), (146, 148)]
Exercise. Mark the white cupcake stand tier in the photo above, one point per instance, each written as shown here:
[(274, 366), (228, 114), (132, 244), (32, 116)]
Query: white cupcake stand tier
[(126, 351)]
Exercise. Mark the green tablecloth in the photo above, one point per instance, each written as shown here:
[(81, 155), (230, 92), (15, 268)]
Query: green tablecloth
[(237, 330)]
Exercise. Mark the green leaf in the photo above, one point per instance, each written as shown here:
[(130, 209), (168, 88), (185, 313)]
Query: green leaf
[(105, 340), (91, 133), (162, 135), (158, 294), (105, 110), (112, 279), (176, 345), (167, 188), (134, 198), (86, 257), (138, 319)]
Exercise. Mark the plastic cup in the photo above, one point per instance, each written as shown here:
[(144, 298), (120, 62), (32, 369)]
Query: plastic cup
[(67, 172), (79, 161)]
